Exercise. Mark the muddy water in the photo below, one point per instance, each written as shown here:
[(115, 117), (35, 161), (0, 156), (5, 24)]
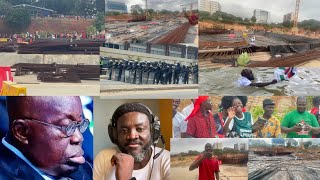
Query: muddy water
[(223, 81)]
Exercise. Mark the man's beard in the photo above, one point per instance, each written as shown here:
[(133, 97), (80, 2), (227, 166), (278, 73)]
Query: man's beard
[(138, 157)]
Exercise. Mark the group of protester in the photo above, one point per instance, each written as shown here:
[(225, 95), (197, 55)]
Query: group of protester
[(146, 72), (234, 121), (30, 37)]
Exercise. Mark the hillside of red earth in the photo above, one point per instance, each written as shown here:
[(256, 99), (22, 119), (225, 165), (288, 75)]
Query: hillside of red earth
[(53, 25), (239, 27)]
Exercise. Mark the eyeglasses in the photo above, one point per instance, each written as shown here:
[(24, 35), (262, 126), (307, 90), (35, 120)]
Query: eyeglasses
[(70, 129)]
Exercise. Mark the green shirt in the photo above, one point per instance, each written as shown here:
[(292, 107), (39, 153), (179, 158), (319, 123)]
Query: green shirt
[(294, 117), (244, 125)]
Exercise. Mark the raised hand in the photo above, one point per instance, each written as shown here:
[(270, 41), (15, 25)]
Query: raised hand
[(231, 112), (124, 165)]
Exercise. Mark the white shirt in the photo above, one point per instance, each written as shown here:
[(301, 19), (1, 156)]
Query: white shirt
[(232, 121), (179, 125), (243, 81), (187, 110), (103, 170)]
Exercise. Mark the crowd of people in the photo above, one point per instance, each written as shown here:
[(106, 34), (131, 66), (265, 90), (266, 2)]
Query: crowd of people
[(30, 37), (234, 121), (66, 17), (145, 72)]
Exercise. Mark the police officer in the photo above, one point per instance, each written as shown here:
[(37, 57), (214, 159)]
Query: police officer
[(146, 70), (169, 73), (177, 71), (139, 72), (195, 72), (163, 73), (134, 71), (110, 65), (186, 74), (124, 67), (158, 73)]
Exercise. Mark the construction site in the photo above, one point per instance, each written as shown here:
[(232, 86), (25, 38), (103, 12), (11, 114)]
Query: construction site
[(286, 159), (145, 27), (232, 158), (35, 79), (43, 65), (221, 45), (305, 82)]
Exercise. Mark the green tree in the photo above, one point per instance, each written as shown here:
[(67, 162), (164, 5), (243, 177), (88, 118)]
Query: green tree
[(136, 9), (164, 11), (253, 19), (85, 7), (18, 19), (287, 24), (99, 22), (91, 30), (100, 5), (5, 7)]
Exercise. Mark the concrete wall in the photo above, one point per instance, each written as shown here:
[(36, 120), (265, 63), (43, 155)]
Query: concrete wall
[(124, 54), (9, 59)]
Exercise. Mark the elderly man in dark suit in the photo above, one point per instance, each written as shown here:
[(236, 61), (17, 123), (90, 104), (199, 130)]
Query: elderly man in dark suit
[(44, 139)]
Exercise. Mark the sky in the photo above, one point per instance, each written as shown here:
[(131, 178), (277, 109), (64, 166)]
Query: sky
[(309, 9), (171, 5), (179, 145)]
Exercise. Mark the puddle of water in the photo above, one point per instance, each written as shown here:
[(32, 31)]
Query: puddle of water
[(222, 81)]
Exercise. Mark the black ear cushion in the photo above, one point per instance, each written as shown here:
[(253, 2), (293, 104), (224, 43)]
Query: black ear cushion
[(112, 131), (156, 128)]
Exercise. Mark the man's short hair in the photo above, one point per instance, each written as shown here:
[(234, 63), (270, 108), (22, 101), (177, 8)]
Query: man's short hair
[(130, 107), (245, 72), (267, 102), (208, 145), (300, 98)]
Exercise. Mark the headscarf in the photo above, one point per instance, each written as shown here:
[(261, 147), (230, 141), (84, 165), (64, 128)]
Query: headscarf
[(314, 111), (197, 105)]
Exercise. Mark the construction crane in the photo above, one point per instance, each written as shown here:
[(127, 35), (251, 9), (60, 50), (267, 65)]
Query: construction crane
[(296, 15)]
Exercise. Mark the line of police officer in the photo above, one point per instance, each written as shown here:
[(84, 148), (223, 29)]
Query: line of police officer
[(145, 72)]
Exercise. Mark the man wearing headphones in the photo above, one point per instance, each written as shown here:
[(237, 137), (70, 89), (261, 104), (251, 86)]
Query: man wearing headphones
[(135, 131)]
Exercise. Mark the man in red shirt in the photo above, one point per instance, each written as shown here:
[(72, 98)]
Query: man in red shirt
[(208, 166), (200, 122)]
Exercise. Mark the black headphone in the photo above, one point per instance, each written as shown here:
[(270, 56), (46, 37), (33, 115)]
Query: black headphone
[(154, 127)]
